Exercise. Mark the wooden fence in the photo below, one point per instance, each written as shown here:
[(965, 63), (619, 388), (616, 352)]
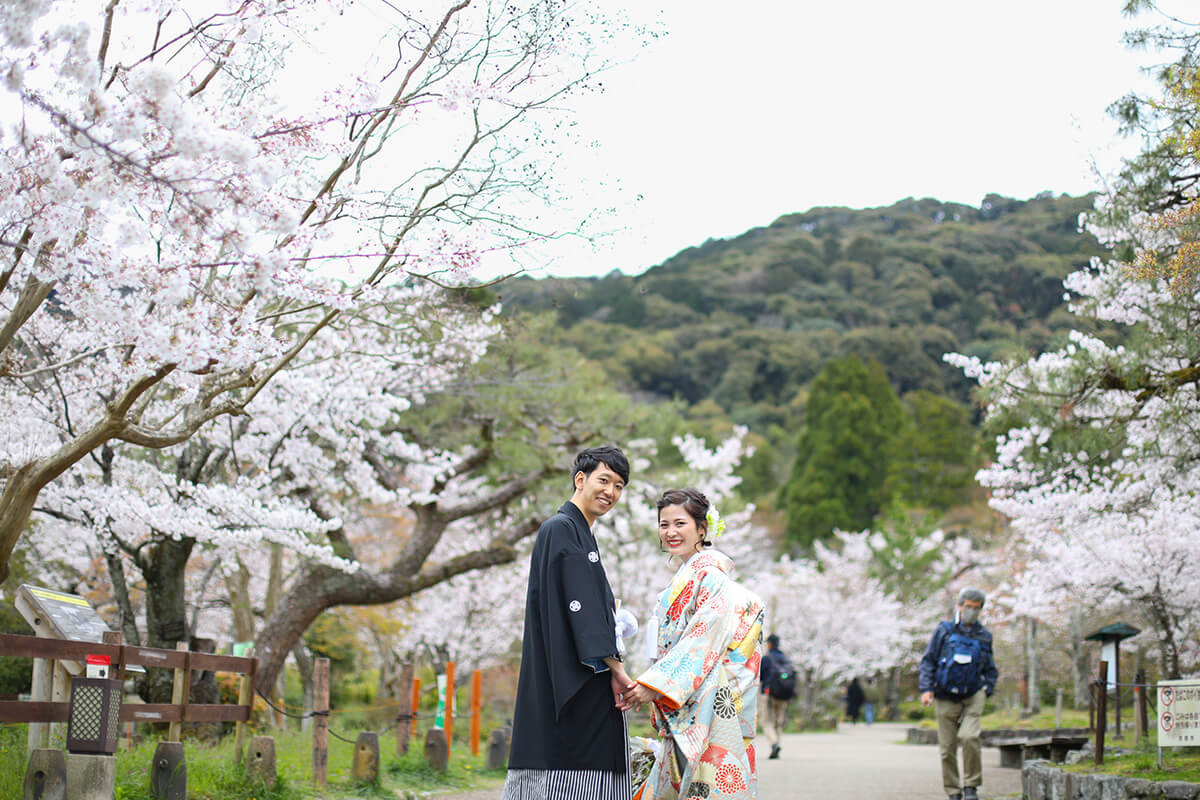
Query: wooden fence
[(51, 688)]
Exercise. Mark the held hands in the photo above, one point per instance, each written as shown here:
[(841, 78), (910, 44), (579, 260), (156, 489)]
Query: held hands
[(639, 694), (926, 698)]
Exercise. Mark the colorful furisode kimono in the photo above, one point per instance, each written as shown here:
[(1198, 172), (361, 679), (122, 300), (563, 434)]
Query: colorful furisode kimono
[(709, 649)]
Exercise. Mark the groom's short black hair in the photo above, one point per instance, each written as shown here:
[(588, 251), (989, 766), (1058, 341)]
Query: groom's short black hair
[(609, 455)]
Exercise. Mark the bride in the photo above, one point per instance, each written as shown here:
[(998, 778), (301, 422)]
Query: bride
[(703, 687)]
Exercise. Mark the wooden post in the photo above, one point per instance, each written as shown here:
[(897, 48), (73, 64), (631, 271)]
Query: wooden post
[(43, 679), (1101, 711), (476, 709), (246, 699), (1058, 707), (405, 714), (321, 722), (449, 707), (180, 690), (1139, 706), (416, 706), (60, 692)]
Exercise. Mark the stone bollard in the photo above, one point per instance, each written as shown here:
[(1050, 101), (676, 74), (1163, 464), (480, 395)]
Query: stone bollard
[(366, 757), (168, 776), (497, 751), (46, 777), (90, 777), (437, 753), (260, 761)]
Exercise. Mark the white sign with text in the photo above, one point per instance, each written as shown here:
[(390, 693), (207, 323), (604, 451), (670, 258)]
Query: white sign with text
[(1178, 713)]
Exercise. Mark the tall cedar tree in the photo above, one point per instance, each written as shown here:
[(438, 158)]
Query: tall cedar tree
[(845, 453)]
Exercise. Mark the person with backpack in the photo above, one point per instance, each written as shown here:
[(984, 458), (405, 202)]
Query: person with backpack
[(957, 675), (778, 678)]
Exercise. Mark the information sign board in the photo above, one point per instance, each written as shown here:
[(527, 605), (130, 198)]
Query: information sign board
[(1178, 713), (59, 615)]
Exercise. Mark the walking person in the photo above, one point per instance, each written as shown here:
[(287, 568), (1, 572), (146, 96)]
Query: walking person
[(854, 700), (704, 682), (568, 738), (779, 685), (870, 699), (957, 675)]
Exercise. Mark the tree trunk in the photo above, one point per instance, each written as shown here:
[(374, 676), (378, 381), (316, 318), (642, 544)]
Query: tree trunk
[(237, 584), (304, 666), (318, 588), (1080, 668), (166, 607), (116, 574), (1031, 659)]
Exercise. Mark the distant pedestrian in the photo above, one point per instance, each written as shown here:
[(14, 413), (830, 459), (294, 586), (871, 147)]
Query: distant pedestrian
[(779, 684), (958, 673), (870, 700), (854, 700)]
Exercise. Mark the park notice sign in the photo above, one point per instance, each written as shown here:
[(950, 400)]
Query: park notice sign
[(1178, 713)]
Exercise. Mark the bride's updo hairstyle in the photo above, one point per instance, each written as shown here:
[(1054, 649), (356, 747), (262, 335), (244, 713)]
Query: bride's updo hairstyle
[(694, 503)]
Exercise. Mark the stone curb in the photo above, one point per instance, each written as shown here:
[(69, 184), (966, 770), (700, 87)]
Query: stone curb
[(1041, 780), (988, 737)]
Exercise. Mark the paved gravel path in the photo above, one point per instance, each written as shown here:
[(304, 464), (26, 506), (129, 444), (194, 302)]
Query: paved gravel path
[(861, 762), (855, 763)]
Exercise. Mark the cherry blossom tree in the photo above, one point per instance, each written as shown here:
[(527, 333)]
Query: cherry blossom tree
[(192, 201), (1096, 463)]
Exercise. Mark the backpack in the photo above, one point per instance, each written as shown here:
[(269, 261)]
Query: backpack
[(783, 682), (960, 665)]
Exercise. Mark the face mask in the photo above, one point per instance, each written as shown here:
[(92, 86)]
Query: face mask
[(969, 616)]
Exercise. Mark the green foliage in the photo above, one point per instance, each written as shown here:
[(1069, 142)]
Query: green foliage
[(16, 674), (845, 452), (936, 454), (748, 322)]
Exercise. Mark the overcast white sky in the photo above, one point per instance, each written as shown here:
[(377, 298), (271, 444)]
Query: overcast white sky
[(744, 112)]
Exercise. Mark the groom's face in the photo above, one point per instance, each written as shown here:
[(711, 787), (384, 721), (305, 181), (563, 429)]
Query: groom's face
[(598, 492)]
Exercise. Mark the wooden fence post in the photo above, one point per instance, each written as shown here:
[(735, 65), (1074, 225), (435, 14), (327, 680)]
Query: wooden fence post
[(450, 708), (245, 698), (180, 690), (43, 679), (1101, 711), (321, 722), (1139, 706), (406, 713), (476, 709), (416, 706)]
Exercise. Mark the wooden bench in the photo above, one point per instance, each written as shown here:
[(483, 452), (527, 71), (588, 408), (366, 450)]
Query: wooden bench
[(1054, 748), (1012, 751), (1016, 750)]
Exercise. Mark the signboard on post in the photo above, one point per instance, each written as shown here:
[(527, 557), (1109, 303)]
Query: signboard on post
[(1178, 714)]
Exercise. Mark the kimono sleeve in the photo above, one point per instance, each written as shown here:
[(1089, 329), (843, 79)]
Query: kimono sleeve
[(590, 616), (707, 635)]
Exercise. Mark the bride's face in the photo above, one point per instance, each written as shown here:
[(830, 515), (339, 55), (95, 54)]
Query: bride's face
[(678, 532)]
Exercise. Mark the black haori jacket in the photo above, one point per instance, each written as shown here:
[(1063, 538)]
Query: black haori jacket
[(565, 717)]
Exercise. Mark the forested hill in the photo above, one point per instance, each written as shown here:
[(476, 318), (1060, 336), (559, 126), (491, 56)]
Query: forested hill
[(747, 322)]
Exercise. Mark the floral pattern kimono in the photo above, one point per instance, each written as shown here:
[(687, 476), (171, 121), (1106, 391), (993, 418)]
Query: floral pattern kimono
[(709, 650)]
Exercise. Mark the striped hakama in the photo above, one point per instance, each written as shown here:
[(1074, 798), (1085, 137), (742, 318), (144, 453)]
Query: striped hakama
[(566, 784)]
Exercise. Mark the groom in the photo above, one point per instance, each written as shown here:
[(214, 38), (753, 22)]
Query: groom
[(569, 739)]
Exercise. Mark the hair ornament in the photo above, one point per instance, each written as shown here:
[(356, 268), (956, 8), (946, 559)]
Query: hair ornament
[(716, 524)]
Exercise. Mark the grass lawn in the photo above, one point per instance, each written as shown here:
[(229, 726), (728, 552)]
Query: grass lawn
[(212, 774), (1179, 764)]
